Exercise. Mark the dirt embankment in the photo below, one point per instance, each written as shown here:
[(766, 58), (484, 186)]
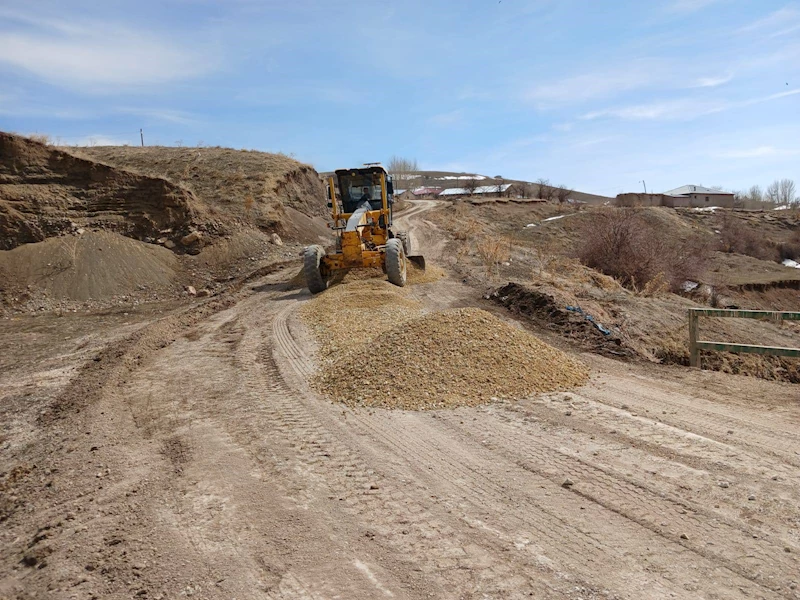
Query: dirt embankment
[(268, 191), (110, 225), (45, 192), (524, 258)]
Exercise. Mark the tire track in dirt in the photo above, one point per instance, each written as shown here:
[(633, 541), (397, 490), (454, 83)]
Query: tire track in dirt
[(712, 422), (766, 561), (555, 535), (415, 532), (665, 460)]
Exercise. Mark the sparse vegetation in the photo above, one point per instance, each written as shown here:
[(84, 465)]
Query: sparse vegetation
[(403, 168), (782, 191), (562, 193), (545, 190), (791, 249), (470, 185), (736, 237), (625, 245), (493, 252)]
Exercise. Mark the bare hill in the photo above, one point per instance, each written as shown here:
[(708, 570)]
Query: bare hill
[(107, 225), (245, 185), (46, 192)]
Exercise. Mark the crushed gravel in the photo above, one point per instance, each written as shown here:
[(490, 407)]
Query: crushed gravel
[(350, 315), (379, 350)]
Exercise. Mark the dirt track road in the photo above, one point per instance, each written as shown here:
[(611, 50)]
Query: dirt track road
[(206, 467)]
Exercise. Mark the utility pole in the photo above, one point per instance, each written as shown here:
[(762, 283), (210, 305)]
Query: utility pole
[(141, 135), (645, 185)]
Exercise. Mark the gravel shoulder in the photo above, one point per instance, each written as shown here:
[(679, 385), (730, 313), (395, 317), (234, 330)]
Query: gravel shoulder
[(195, 460)]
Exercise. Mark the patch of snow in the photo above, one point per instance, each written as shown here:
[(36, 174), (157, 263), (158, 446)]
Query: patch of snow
[(706, 209), (530, 225), (688, 286), (782, 207), (553, 218), (467, 177), (791, 263)]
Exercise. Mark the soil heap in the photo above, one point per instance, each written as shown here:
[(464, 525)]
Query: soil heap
[(379, 350), (371, 306)]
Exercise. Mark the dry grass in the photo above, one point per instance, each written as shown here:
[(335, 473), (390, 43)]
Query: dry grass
[(493, 252), (248, 184), (736, 236), (623, 243)]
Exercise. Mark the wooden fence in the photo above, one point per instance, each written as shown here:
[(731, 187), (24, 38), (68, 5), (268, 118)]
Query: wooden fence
[(775, 316)]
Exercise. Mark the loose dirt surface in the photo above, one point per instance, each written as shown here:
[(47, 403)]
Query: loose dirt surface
[(184, 454)]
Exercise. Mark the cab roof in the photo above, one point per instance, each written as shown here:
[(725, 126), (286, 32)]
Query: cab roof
[(363, 170)]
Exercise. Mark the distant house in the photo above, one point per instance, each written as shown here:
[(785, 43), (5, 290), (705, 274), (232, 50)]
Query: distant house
[(426, 191), (688, 196), (698, 196), (481, 190)]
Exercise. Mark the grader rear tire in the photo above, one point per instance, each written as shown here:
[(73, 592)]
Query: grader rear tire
[(312, 260), (403, 237), (396, 262)]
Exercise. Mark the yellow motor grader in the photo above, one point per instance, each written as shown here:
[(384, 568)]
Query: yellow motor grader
[(362, 220)]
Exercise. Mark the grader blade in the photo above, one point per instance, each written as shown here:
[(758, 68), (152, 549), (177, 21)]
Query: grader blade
[(418, 260)]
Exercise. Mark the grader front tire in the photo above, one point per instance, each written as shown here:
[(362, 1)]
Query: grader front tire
[(312, 261), (396, 262)]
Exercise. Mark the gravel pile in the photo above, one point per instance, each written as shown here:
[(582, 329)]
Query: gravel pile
[(349, 315), (459, 357)]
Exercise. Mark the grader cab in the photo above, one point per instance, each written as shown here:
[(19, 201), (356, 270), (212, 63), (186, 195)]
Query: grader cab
[(365, 237)]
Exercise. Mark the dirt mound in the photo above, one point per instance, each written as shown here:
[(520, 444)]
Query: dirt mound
[(373, 306), (46, 192), (258, 188), (154, 194), (545, 310), (458, 357), (219, 209), (93, 266)]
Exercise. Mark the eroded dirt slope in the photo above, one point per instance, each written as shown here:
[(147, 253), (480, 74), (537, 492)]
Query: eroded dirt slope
[(75, 229), (46, 192), (247, 185)]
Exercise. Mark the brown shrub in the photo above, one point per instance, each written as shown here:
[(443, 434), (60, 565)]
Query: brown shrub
[(737, 237), (466, 230), (492, 252), (790, 249), (625, 245)]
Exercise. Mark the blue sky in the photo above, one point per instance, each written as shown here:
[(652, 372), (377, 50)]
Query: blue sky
[(597, 95)]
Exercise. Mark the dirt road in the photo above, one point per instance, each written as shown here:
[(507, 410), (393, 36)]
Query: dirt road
[(202, 465)]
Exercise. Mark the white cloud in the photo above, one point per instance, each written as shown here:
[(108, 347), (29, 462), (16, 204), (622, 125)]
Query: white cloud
[(781, 22), (707, 82), (759, 152), (93, 56), (667, 110), (161, 114), (596, 85), (682, 109), (101, 140), (749, 153)]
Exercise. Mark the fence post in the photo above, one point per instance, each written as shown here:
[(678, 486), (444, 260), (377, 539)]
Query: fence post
[(694, 353)]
